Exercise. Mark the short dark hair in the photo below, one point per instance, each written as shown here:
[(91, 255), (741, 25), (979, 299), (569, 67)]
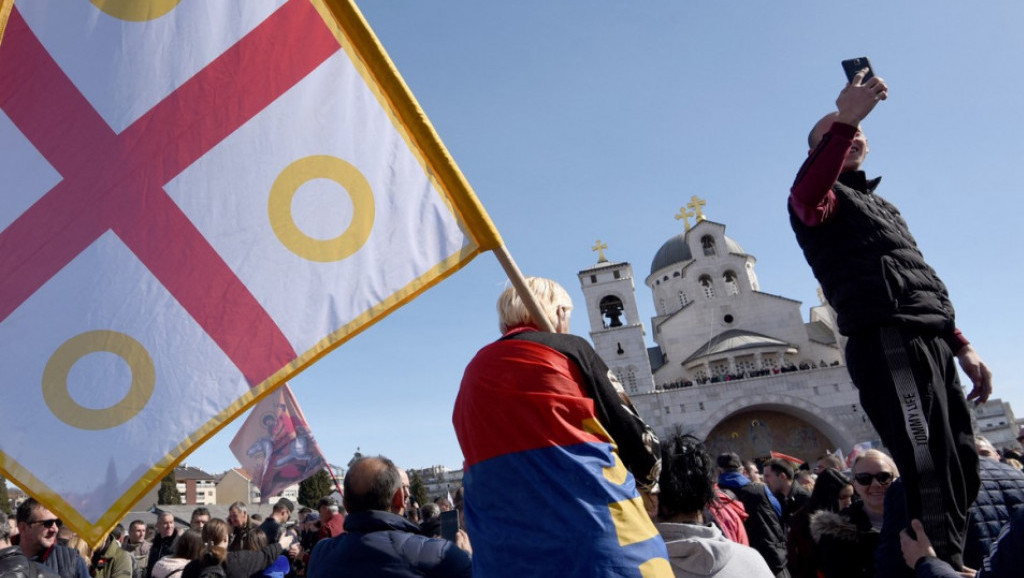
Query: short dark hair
[(136, 523), (378, 485), (200, 511), (781, 468), (327, 502), (25, 509), (687, 476), (117, 532)]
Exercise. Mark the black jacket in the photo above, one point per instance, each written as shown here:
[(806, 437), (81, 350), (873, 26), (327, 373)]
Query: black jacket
[(161, 547), (14, 564), (1002, 488), (1005, 560), (764, 529), (239, 563), (869, 266), (846, 542)]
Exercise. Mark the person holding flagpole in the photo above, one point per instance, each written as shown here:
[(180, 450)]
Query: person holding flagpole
[(543, 409)]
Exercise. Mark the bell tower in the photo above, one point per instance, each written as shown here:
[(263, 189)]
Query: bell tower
[(615, 327)]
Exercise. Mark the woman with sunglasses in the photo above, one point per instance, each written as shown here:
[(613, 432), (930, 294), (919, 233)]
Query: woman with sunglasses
[(847, 540)]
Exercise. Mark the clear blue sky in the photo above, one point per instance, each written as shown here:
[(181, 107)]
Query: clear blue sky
[(576, 121)]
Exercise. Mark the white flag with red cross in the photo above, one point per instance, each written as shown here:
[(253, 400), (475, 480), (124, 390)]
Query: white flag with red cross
[(200, 198)]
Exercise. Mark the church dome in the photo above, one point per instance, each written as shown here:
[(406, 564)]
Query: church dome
[(677, 250)]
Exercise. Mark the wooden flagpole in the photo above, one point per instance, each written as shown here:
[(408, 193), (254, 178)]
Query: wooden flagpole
[(519, 282)]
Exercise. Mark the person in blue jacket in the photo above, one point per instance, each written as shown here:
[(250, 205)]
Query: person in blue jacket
[(377, 542)]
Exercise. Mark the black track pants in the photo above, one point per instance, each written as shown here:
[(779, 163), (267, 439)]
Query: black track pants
[(910, 390)]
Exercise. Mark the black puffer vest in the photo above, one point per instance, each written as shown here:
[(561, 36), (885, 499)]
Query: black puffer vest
[(869, 266)]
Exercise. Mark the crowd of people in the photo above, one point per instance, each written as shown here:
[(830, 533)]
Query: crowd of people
[(563, 478), (375, 517), (716, 516)]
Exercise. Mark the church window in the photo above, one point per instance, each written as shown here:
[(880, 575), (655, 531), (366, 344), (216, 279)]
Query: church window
[(593, 278), (611, 311), (728, 319), (631, 380), (616, 274), (682, 408), (709, 289), (701, 406), (682, 299), (661, 306), (668, 410), (676, 274), (707, 242), (666, 278), (731, 285)]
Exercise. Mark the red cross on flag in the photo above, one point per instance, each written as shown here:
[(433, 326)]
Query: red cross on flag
[(199, 200)]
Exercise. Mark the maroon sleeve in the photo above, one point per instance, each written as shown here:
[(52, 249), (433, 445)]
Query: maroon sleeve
[(957, 341), (811, 197)]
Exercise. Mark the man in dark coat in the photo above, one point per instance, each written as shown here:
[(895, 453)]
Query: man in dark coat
[(37, 531), (377, 542), (780, 477), (163, 542), (13, 563), (763, 523)]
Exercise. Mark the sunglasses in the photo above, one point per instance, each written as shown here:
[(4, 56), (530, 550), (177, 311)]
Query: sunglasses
[(883, 478), (48, 523)]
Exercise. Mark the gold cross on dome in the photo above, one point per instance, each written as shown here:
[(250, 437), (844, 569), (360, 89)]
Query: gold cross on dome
[(696, 203), (600, 247), (684, 216)]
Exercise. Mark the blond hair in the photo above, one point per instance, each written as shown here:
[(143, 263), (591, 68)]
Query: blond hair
[(550, 295), (878, 455)]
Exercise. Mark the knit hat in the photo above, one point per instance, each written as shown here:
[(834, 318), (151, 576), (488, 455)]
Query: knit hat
[(729, 461), (287, 504)]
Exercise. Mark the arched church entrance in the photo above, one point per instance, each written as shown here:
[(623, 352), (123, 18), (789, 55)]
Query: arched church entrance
[(755, 433)]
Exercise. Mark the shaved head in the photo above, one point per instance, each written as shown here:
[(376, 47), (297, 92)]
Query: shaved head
[(371, 484), (820, 128), (858, 150)]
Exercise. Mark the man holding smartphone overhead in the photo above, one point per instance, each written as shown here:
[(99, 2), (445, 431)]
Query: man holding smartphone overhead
[(897, 316)]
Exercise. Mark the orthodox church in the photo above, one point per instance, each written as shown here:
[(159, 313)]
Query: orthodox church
[(733, 365)]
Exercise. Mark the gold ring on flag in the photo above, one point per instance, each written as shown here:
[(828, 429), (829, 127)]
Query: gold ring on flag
[(69, 411), (136, 10), (321, 167)]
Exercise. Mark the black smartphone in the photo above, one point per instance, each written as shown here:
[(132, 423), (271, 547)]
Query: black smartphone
[(449, 524), (854, 65)]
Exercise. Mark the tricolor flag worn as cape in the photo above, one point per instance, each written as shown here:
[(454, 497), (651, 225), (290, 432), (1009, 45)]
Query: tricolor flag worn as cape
[(200, 198)]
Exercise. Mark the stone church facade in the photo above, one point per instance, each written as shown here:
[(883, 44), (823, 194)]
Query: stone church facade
[(734, 365)]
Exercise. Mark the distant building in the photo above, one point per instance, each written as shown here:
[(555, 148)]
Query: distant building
[(235, 485), (195, 487), (733, 365), (438, 480), (995, 421)]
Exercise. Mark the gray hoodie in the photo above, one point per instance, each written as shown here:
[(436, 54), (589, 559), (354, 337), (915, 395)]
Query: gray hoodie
[(696, 550)]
